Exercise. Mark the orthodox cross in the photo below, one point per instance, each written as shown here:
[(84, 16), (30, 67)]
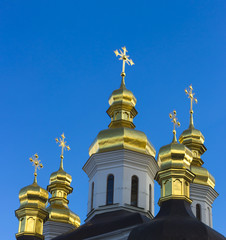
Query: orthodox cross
[(37, 164), (125, 59), (192, 99), (191, 96), (176, 123), (63, 146)]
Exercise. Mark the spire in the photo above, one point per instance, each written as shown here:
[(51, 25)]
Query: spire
[(175, 124), (31, 213), (125, 59), (63, 146), (192, 99), (37, 164)]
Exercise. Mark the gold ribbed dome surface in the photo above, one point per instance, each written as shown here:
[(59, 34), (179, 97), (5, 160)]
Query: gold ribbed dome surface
[(193, 139), (203, 176), (122, 95), (61, 213), (174, 155), (122, 138), (60, 176), (33, 196)]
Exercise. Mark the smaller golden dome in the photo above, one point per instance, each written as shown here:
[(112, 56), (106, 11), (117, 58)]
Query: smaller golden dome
[(174, 155), (60, 176), (33, 196), (203, 176), (59, 188), (122, 95), (194, 140), (122, 108)]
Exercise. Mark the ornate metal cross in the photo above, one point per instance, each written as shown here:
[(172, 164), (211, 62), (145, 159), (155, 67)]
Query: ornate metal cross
[(175, 122), (124, 58), (36, 163), (191, 96), (63, 146)]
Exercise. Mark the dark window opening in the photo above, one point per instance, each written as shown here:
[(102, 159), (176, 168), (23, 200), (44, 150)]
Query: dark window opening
[(92, 192), (110, 189), (198, 211), (134, 191)]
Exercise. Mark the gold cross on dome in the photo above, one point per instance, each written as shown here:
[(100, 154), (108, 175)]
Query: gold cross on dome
[(176, 123), (124, 58), (36, 163), (63, 146), (191, 96)]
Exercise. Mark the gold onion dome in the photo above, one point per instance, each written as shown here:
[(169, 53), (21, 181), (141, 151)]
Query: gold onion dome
[(174, 176), (194, 140), (121, 133), (59, 187), (32, 213)]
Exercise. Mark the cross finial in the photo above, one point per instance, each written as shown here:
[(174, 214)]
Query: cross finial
[(192, 99), (63, 145), (175, 122), (37, 164), (125, 59)]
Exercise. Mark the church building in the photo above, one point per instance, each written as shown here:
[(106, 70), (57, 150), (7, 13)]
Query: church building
[(122, 169)]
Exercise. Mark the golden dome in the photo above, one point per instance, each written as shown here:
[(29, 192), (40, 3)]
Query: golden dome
[(60, 177), (121, 133), (122, 138), (60, 187), (174, 176), (33, 196), (174, 155), (61, 213), (203, 176), (194, 140)]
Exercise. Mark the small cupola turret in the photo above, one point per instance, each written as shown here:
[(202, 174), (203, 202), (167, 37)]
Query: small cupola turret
[(31, 213)]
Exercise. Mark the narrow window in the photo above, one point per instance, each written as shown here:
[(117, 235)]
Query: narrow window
[(92, 192), (198, 211), (134, 191), (150, 198), (110, 189), (209, 215)]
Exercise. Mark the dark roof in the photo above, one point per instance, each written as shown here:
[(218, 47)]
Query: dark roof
[(28, 237), (175, 221), (105, 223)]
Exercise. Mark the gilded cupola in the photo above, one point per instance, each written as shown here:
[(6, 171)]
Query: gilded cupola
[(194, 140), (59, 187), (121, 133), (32, 213), (174, 176)]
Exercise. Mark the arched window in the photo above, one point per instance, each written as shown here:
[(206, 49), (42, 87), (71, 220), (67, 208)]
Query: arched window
[(134, 191), (92, 192), (150, 198), (110, 189), (198, 211)]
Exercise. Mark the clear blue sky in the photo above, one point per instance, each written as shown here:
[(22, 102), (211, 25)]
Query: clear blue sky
[(57, 70)]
